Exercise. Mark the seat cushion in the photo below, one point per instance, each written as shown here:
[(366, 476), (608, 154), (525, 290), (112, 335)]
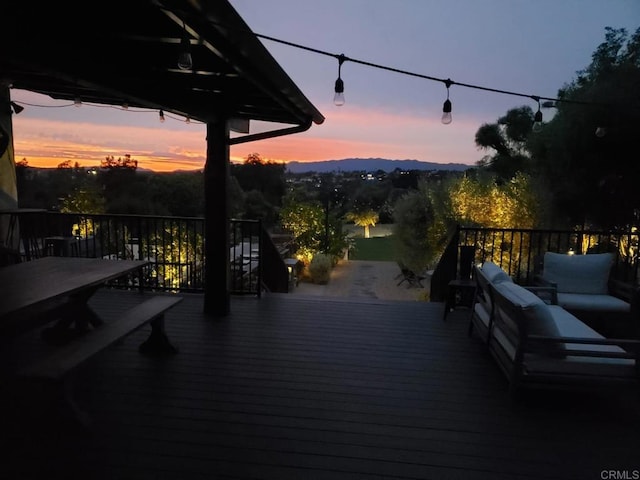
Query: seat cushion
[(593, 302), (578, 273), (570, 326)]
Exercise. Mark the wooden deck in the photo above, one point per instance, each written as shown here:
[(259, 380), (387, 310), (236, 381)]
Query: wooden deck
[(293, 387)]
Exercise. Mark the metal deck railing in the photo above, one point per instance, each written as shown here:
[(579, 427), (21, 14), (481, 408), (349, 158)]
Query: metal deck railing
[(174, 245)]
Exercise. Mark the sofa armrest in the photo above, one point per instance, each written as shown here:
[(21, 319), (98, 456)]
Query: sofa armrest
[(630, 293), (549, 294), (624, 290), (539, 280), (629, 348)]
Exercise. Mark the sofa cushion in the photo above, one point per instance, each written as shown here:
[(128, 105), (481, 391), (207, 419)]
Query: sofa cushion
[(611, 368), (535, 310), (494, 273), (593, 303), (578, 273), (570, 326)]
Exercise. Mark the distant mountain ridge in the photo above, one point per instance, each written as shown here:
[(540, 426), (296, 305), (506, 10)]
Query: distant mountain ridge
[(370, 165)]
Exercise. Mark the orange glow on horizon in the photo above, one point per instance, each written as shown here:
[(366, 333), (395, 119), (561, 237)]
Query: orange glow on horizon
[(48, 143)]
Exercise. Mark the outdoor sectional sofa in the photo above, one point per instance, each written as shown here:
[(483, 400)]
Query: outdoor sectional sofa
[(585, 287), (538, 343)]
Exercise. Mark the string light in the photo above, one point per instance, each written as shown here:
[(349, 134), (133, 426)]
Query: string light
[(340, 85), (185, 61), (77, 102), (338, 98), (537, 118), (16, 108), (446, 107), (549, 102)]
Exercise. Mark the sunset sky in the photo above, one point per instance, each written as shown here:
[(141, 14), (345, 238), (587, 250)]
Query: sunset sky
[(529, 47)]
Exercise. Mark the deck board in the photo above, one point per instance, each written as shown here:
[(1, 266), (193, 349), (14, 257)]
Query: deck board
[(289, 387)]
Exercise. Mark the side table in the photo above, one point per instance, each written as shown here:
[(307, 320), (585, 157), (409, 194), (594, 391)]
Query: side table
[(459, 292)]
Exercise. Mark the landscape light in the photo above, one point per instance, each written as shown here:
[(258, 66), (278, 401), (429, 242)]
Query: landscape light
[(338, 98), (446, 107)]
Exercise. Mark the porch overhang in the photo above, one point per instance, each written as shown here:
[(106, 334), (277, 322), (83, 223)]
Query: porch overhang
[(126, 53)]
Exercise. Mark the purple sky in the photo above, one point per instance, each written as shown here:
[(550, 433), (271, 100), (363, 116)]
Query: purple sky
[(525, 46)]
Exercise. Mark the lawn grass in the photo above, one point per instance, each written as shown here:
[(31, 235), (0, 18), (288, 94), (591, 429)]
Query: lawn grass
[(375, 248)]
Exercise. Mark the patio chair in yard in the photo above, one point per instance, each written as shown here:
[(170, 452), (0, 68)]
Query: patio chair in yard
[(409, 276)]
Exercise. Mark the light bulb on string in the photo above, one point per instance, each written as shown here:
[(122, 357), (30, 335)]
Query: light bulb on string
[(446, 106), (185, 61), (601, 132), (338, 97), (537, 118), (16, 108), (161, 115)]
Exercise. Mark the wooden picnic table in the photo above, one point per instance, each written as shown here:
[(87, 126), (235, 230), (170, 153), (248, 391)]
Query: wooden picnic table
[(32, 286), (57, 290)]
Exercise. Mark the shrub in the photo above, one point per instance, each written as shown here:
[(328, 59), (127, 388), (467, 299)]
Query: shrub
[(320, 268)]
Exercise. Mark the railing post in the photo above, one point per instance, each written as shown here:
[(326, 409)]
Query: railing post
[(446, 270)]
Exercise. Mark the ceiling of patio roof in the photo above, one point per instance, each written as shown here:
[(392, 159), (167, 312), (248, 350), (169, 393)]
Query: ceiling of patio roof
[(125, 52)]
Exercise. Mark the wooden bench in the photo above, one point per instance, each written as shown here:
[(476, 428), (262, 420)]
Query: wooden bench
[(55, 367)]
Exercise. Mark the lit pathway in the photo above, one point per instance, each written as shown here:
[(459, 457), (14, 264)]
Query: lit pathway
[(360, 279)]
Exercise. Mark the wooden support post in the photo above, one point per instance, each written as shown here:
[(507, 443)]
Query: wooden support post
[(216, 184)]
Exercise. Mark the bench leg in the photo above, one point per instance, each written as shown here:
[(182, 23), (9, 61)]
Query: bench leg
[(158, 343)]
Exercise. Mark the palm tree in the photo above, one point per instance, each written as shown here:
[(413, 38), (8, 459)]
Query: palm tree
[(365, 218)]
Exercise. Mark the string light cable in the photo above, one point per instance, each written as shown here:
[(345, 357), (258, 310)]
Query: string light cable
[(548, 102), (341, 58), (124, 108)]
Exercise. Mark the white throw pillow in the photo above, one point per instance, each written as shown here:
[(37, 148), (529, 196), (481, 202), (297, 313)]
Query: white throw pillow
[(579, 273)]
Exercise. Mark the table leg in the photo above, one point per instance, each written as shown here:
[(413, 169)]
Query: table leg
[(74, 318), (450, 301)]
